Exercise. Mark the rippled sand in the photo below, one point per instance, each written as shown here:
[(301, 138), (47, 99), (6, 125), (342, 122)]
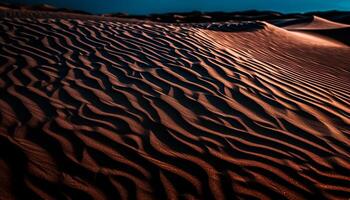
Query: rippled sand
[(101, 108)]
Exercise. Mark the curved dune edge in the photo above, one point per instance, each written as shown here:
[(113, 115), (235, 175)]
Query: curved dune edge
[(317, 23), (106, 109), (325, 29)]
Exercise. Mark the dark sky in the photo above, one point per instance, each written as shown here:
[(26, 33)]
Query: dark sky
[(161, 6)]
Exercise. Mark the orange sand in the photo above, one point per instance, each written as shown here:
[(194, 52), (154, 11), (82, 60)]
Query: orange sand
[(104, 108)]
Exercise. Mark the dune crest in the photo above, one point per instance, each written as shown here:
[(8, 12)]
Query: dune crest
[(95, 108), (322, 28), (317, 23)]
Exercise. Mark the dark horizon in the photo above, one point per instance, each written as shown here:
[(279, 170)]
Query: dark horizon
[(144, 7)]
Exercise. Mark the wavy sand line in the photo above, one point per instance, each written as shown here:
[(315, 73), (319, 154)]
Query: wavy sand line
[(106, 109)]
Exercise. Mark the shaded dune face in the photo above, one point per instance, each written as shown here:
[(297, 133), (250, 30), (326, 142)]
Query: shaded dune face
[(131, 110), (322, 27)]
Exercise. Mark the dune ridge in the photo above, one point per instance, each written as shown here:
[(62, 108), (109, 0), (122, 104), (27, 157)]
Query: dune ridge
[(320, 27), (317, 23), (108, 109)]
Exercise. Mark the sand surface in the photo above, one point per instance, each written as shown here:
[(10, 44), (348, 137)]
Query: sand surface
[(104, 108)]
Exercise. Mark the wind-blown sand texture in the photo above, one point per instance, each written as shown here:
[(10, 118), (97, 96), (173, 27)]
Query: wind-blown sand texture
[(95, 108)]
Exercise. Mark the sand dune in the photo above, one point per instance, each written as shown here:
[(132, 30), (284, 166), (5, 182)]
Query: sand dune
[(323, 28), (96, 108), (317, 23)]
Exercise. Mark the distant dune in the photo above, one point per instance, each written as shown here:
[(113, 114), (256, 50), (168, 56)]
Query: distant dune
[(39, 7), (103, 107), (322, 27)]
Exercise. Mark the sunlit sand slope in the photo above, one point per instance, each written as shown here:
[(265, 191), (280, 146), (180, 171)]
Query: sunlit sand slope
[(322, 27), (93, 109)]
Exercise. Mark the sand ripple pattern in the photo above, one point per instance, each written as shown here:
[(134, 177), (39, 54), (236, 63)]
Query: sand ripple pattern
[(117, 110)]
